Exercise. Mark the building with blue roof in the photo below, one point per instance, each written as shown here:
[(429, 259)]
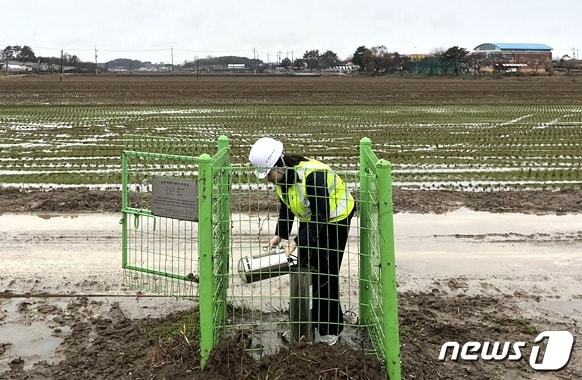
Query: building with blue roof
[(513, 47), (512, 56)]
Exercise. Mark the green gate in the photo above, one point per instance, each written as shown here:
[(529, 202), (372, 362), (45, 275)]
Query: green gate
[(169, 251)]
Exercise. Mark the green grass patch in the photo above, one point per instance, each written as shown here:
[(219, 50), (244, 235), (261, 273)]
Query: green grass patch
[(525, 325), (185, 324)]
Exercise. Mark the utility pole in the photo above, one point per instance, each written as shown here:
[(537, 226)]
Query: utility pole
[(172, 54), (255, 60), (197, 68), (61, 77), (95, 60)]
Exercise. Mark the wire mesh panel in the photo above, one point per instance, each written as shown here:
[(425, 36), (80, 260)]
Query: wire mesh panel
[(378, 288), (273, 301), (264, 306), (160, 249), (370, 295), (214, 224)]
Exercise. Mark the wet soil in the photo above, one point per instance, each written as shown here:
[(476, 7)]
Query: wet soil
[(234, 90), (110, 344), (13, 200), (113, 346)]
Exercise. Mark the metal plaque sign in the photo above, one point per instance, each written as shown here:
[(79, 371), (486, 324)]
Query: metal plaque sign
[(175, 198)]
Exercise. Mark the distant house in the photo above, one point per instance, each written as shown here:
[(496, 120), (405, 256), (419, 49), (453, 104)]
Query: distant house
[(512, 56), (14, 67)]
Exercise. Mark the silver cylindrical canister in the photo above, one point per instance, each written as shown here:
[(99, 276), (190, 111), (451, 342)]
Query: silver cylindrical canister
[(272, 264)]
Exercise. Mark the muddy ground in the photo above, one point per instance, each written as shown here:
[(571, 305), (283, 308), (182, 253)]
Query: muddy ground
[(113, 344), (210, 90), (427, 201)]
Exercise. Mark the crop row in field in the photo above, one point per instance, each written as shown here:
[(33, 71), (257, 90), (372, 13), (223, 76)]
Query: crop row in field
[(262, 90), (466, 147)]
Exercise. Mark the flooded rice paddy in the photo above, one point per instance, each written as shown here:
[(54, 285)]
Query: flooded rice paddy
[(468, 148)]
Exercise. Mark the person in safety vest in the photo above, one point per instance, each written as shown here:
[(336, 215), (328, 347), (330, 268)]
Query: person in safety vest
[(312, 192)]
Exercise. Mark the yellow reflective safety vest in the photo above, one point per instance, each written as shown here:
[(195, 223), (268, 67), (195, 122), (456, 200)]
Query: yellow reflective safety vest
[(341, 202)]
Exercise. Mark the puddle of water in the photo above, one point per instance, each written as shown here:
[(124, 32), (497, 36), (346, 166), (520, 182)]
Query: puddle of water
[(67, 222), (464, 221), (467, 242), (28, 341), (455, 243)]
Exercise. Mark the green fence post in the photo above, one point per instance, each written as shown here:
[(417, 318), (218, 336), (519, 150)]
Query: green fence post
[(224, 183), (365, 249), (123, 208), (222, 142), (388, 267), (206, 258)]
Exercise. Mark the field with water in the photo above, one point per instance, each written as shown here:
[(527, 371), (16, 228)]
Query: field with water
[(470, 135)]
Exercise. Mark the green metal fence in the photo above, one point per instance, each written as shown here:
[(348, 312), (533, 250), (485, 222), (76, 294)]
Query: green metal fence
[(236, 215), (162, 252), (378, 291)]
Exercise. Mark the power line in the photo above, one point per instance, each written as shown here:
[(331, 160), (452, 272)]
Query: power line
[(252, 53)]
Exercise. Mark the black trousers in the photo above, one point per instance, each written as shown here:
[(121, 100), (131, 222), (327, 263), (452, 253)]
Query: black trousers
[(325, 262)]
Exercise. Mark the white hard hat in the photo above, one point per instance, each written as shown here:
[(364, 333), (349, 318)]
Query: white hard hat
[(264, 155)]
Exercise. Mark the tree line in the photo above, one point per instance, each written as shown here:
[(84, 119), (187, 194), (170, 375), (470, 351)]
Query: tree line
[(377, 59), (25, 54)]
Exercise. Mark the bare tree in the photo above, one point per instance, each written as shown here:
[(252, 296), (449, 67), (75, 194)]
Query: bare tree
[(380, 56), (567, 63)]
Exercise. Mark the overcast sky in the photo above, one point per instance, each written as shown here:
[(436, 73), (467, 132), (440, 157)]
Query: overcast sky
[(150, 30)]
